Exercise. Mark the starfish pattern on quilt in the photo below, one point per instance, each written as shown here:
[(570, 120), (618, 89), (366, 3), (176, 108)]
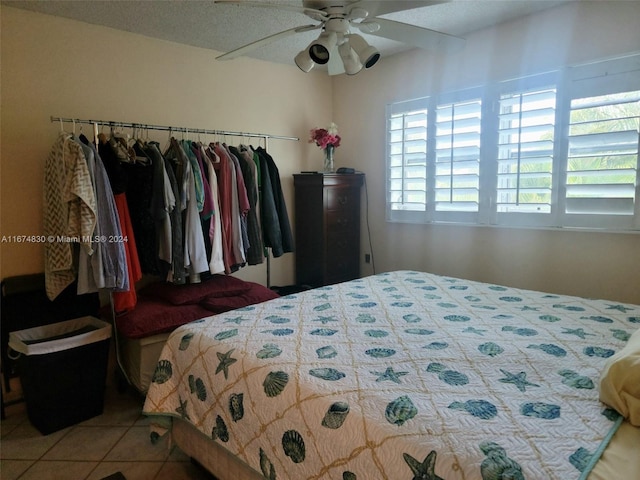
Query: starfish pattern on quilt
[(620, 308), (577, 331), (478, 331), (389, 374), (225, 362), (424, 470), (519, 380), (182, 409)]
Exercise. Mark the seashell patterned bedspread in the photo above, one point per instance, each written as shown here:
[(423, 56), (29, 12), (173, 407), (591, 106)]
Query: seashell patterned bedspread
[(402, 375)]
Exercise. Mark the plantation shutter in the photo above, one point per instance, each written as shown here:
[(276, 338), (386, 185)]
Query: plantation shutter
[(602, 160), (457, 156), (407, 161), (525, 151), (559, 149)]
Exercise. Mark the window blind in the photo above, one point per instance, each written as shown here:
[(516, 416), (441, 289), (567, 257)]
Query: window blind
[(557, 149), (408, 160), (602, 160), (457, 156), (525, 151)]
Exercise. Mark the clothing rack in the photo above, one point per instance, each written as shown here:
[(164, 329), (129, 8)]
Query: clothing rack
[(187, 130), (167, 128)]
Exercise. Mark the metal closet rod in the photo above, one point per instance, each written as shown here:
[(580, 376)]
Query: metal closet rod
[(170, 129)]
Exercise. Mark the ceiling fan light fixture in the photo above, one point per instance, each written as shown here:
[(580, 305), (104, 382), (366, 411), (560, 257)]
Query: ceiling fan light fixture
[(303, 61), (350, 60), (320, 49), (367, 54)]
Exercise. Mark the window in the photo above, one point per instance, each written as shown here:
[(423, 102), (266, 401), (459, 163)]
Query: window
[(457, 156), (407, 159), (525, 151), (603, 153), (434, 158), (551, 150)]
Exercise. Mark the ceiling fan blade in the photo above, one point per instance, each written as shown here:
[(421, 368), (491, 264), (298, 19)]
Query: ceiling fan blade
[(311, 12), (382, 7), (416, 36), (265, 41)]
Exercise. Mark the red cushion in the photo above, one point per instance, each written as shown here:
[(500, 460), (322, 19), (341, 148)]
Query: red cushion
[(256, 294), (151, 317), (193, 293)]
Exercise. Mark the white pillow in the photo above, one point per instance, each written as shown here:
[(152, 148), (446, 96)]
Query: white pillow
[(620, 380)]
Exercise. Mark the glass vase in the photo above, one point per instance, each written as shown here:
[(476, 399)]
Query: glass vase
[(328, 159)]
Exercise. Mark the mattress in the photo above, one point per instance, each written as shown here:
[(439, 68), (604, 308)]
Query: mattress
[(620, 460), (399, 374)]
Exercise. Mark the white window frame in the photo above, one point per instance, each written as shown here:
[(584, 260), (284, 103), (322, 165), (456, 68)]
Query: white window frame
[(429, 213), (591, 80), (606, 77), (521, 219), (458, 98)]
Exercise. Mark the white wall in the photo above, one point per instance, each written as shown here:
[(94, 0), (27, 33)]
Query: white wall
[(54, 66), (579, 263)]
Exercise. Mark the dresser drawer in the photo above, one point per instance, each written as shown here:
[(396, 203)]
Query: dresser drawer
[(341, 221), (342, 199), (342, 243), (342, 268)]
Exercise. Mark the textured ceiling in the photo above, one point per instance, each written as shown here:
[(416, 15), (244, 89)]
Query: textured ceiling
[(224, 27)]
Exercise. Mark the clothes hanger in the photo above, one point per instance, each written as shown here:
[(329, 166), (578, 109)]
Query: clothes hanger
[(120, 146), (168, 146)]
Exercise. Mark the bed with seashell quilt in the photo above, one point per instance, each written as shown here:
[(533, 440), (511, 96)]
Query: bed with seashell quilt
[(406, 375)]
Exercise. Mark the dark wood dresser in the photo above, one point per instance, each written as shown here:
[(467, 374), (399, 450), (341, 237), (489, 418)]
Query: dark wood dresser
[(327, 215)]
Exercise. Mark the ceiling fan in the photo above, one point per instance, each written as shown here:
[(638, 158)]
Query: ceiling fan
[(336, 46)]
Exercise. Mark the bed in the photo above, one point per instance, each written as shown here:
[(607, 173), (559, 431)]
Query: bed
[(401, 375), (162, 307)]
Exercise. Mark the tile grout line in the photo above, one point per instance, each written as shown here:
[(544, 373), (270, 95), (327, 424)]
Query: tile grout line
[(102, 460)]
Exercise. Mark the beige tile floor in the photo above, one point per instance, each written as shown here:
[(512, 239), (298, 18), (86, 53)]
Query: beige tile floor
[(116, 441)]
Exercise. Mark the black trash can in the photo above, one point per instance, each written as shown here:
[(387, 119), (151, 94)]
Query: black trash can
[(63, 370)]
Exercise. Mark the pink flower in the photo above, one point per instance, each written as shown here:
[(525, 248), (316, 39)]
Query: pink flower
[(323, 137)]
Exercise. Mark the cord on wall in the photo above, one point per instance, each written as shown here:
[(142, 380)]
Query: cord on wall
[(366, 195)]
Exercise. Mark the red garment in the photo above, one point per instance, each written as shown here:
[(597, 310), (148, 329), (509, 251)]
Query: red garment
[(243, 198), (225, 193), (125, 301)]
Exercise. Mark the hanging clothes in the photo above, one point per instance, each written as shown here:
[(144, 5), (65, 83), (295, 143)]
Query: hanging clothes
[(275, 220), (106, 267), (125, 301), (115, 158), (139, 190), (190, 211), (239, 208), (254, 248), (89, 267), (163, 202), (216, 261), (223, 171), (69, 212), (195, 259), (207, 209), (176, 273)]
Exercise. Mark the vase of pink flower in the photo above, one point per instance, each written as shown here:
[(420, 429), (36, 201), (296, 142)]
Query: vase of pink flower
[(328, 140)]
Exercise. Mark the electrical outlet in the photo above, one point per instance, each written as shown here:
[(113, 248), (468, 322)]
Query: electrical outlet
[(367, 258)]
